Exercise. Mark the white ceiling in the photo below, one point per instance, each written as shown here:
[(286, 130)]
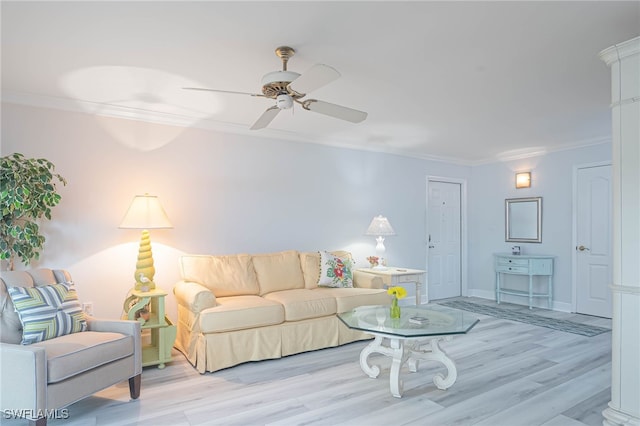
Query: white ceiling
[(469, 82)]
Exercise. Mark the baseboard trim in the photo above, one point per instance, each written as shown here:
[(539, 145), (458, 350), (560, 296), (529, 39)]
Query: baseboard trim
[(411, 300), (517, 300)]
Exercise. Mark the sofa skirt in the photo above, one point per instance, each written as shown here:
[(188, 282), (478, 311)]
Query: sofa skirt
[(309, 335), (221, 350), (348, 335), (216, 351)]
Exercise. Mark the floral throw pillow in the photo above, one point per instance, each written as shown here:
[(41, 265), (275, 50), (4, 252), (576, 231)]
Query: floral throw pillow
[(335, 271), (47, 311)]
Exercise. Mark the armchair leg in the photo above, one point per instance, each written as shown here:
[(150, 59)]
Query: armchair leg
[(134, 386)]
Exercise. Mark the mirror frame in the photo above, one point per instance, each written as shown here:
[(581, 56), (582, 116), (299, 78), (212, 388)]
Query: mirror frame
[(507, 231)]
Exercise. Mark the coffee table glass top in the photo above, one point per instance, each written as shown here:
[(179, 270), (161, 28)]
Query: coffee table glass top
[(415, 321)]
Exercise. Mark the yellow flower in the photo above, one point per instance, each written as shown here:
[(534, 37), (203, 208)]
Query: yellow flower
[(398, 292)]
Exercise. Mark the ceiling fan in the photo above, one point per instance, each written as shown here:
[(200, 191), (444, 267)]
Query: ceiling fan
[(287, 87)]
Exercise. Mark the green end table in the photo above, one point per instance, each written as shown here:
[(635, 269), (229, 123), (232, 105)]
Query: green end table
[(163, 332)]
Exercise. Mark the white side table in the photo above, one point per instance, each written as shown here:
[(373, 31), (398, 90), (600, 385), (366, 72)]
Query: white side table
[(394, 276)]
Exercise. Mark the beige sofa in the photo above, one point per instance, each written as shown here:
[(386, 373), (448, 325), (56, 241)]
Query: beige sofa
[(238, 308)]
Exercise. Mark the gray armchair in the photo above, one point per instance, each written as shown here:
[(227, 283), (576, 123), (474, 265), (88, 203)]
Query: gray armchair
[(52, 374)]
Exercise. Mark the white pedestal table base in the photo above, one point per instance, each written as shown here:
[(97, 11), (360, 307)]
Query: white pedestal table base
[(412, 351)]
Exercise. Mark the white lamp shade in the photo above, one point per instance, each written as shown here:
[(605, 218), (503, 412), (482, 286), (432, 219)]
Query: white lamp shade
[(145, 212), (380, 226)]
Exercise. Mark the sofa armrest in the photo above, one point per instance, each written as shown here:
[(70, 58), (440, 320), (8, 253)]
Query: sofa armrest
[(364, 280), (193, 296), (24, 378), (129, 328)]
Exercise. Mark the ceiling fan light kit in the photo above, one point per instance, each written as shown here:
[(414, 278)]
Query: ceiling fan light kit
[(287, 87), (284, 101)]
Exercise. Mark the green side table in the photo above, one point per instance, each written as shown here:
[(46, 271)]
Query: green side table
[(147, 307)]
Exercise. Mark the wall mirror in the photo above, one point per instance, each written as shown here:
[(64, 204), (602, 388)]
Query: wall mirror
[(523, 220)]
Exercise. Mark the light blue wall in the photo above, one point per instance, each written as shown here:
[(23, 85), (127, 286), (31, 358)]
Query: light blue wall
[(223, 193), (229, 194), (552, 179)]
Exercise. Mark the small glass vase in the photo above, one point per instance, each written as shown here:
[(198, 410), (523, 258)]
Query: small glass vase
[(395, 309)]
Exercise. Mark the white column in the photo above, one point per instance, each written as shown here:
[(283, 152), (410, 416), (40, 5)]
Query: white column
[(624, 60)]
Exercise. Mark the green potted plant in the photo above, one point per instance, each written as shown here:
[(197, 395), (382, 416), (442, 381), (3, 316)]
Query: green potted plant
[(27, 194)]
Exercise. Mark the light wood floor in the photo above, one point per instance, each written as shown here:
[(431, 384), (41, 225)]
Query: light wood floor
[(509, 374)]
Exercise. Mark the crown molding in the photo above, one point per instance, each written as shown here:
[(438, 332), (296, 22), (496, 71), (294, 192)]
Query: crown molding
[(116, 111), (620, 51), (543, 150), (206, 123)]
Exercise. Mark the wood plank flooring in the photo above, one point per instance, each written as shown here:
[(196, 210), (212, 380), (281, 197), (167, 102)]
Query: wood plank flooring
[(509, 373)]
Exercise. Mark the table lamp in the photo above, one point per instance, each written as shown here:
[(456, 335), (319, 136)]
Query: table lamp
[(145, 212), (381, 227)]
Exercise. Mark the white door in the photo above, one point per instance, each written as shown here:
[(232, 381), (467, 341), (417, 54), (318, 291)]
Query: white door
[(444, 226), (593, 240)]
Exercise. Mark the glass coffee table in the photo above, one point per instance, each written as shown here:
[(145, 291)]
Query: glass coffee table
[(412, 338)]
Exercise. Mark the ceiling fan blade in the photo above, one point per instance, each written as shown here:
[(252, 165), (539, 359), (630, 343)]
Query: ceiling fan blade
[(221, 91), (314, 78), (265, 118), (333, 110)]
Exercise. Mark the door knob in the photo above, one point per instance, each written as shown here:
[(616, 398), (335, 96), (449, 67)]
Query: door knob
[(582, 248)]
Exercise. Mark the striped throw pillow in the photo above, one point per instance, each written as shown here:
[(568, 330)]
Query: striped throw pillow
[(47, 311)]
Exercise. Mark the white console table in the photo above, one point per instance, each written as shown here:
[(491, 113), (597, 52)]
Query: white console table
[(396, 276), (530, 265)]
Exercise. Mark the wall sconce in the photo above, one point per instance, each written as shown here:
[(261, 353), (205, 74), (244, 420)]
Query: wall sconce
[(523, 180)]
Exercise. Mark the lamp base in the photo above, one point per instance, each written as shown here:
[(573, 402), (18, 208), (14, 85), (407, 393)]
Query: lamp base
[(144, 266), (145, 286)]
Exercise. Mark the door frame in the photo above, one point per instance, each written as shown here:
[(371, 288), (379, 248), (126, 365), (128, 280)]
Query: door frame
[(463, 229), (574, 230)]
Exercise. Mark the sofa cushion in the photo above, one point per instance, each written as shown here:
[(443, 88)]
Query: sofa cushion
[(225, 276), (76, 353), (239, 313), (335, 271), (301, 304), (350, 298), (278, 271), (47, 312), (310, 263)]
